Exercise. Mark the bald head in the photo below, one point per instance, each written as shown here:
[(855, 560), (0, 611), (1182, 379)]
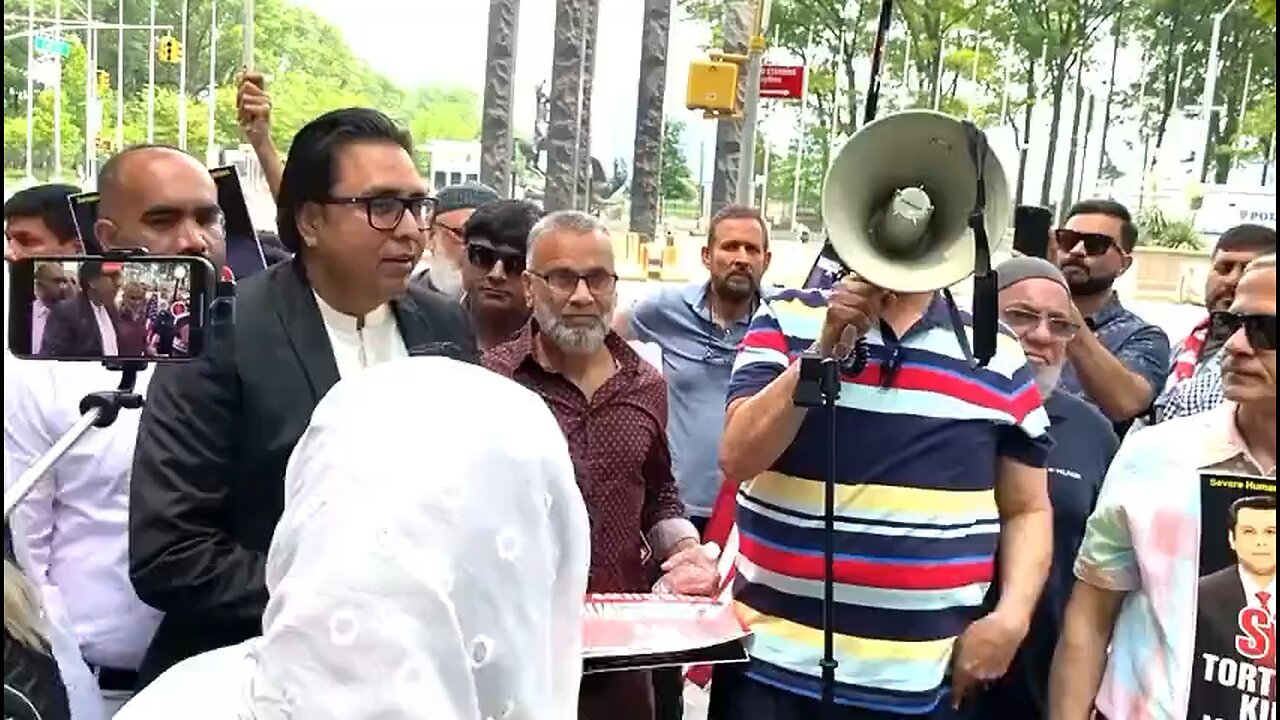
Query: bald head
[(161, 199)]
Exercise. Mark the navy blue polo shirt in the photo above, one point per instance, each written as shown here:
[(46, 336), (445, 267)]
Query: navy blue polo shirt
[(1083, 445)]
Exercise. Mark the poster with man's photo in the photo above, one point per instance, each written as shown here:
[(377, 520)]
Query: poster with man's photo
[(1234, 671)]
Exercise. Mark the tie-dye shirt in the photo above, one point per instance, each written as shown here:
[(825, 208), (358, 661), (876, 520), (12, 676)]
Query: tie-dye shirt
[(1143, 539)]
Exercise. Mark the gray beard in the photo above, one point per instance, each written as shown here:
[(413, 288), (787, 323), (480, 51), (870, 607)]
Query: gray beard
[(572, 340), (1047, 377), (445, 276)]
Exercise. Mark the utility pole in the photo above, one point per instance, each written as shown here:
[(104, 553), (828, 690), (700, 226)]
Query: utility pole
[(804, 102), (755, 59)]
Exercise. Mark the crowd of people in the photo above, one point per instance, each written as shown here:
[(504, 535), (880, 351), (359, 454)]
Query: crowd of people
[(429, 433)]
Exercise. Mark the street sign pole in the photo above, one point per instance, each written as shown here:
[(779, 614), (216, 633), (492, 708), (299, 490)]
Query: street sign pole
[(120, 81), (755, 54), (211, 146), (90, 91)]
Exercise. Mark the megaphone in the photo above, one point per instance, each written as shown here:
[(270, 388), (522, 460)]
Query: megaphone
[(898, 197)]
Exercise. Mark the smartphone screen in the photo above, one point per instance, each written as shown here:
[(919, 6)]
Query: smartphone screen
[(1031, 225), (147, 307)]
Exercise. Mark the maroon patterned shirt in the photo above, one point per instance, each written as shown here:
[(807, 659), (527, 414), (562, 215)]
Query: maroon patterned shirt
[(618, 442)]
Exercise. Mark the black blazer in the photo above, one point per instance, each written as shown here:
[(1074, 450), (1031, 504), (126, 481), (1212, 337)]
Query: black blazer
[(1221, 597), (214, 439), (71, 330)]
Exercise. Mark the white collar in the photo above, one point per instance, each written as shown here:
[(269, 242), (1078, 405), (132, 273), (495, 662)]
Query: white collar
[(341, 321)]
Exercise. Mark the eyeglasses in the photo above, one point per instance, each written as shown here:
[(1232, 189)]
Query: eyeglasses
[(385, 212), (565, 281), (1094, 243), (1259, 330), (485, 258), (1024, 321)]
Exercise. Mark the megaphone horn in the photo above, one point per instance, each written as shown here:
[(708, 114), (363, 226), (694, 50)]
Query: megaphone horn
[(898, 198)]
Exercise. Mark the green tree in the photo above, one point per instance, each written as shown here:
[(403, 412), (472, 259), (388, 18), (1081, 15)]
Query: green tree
[(676, 175), (309, 69)]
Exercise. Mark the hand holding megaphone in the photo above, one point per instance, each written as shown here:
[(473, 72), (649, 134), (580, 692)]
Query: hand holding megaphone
[(854, 305)]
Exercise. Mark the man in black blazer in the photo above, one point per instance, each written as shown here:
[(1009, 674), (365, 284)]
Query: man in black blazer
[(86, 324), (217, 432), (1223, 595)]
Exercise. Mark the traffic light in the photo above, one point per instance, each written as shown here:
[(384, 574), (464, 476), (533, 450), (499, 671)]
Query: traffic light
[(170, 50), (104, 82)]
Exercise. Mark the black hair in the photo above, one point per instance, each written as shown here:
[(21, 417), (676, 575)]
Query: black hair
[(736, 212), (503, 222), (1128, 231), (311, 169), (88, 271), (50, 203), (1253, 502), (1247, 238)]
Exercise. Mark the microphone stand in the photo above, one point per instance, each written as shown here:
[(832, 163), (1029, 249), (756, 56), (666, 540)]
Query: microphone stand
[(99, 409), (819, 386)]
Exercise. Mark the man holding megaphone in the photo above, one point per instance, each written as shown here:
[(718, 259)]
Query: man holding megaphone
[(937, 460)]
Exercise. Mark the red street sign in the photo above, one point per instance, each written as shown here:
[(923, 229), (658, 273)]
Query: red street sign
[(782, 81)]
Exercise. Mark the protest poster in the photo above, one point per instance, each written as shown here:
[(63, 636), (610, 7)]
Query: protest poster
[(634, 631), (1233, 671)]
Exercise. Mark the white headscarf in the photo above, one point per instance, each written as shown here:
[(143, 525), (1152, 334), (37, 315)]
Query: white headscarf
[(430, 563)]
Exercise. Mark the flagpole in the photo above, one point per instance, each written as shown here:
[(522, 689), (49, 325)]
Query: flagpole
[(182, 83), (31, 85), (151, 76), (120, 80), (57, 96), (90, 89), (211, 153)]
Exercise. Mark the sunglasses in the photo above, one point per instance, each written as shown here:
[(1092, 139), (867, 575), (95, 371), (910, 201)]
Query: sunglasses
[(485, 258), (1024, 321), (1095, 244), (1259, 330)]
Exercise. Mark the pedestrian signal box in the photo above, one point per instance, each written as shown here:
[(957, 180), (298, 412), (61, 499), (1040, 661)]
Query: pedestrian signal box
[(104, 81), (169, 49), (713, 86)]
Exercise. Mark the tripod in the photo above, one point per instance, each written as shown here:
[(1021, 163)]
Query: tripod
[(99, 409)]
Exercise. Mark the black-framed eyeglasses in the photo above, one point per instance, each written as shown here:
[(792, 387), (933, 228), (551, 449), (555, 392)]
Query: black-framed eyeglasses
[(485, 257), (1095, 244), (1259, 330), (565, 281), (386, 212), (1024, 321)]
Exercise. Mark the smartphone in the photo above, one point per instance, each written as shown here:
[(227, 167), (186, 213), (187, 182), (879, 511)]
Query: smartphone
[(153, 308), (1031, 226), (244, 251), (84, 211)]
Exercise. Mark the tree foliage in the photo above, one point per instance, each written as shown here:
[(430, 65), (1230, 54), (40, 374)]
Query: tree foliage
[(676, 177), (309, 68)]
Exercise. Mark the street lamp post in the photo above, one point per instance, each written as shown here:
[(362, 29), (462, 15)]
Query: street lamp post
[(755, 54), (1210, 86)]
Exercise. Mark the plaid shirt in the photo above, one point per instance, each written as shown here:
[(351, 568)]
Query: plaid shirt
[(1143, 539), (1199, 393)]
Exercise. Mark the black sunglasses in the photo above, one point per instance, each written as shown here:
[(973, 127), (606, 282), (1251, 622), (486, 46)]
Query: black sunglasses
[(1094, 243), (485, 258), (1259, 330)]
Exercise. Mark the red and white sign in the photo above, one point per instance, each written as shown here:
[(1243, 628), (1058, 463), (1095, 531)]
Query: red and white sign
[(784, 82)]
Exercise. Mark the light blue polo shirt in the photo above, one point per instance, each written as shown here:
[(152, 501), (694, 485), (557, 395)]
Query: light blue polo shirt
[(697, 358)]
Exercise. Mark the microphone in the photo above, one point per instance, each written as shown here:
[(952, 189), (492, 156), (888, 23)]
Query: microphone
[(900, 227)]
